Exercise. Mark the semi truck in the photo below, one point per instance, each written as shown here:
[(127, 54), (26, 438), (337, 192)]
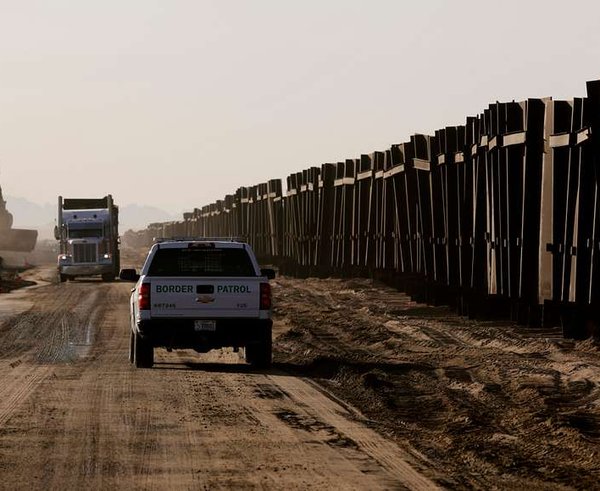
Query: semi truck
[(88, 235)]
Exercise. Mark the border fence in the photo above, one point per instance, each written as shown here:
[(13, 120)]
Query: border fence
[(498, 217)]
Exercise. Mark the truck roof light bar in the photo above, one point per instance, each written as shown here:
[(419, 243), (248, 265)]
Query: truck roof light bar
[(158, 240)]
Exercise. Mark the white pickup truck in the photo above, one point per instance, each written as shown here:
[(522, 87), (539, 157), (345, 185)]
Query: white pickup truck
[(200, 294)]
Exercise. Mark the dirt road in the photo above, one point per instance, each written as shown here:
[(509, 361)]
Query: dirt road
[(74, 414), (369, 391)]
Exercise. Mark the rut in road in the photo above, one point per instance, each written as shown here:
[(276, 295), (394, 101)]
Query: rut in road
[(36, 339)]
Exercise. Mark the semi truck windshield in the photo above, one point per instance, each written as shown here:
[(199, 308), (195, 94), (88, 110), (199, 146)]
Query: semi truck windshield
[(85, 233)]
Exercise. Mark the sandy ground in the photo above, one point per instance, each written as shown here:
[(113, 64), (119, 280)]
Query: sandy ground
[(74, 414), (489, 404), (368, 391)]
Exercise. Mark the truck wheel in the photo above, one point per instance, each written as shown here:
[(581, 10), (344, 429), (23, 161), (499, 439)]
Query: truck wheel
[(260, 354), (62, 277), (131, 347), (143, 352), (108, 277)]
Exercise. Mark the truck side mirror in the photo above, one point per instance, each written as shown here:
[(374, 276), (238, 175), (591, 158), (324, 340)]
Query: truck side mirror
[(129, 275), (56, 233), (268, 272)]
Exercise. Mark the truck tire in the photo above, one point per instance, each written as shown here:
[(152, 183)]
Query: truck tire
[(143, 352), (260, 354), (108, 277), (62, 277)]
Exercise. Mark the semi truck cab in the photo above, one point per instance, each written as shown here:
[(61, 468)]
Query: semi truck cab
[(88, 236)]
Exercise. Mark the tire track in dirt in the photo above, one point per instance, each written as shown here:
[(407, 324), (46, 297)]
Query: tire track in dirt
[(82, 424), (104, 379), (15, 389), (31, 340), (290, 410), (112, 430), (38, 340), (514, 407), (350, 429), (193, 421)]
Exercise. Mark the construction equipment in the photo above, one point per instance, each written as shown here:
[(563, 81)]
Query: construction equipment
[(14, 239)]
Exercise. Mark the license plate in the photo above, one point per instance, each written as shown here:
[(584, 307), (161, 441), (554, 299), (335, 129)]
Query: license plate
[(205, 326)]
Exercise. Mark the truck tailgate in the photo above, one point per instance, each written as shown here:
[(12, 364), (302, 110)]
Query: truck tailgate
[(205, 298)]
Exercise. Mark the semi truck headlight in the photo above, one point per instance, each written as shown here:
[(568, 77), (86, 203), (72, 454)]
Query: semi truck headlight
[(106, 256)]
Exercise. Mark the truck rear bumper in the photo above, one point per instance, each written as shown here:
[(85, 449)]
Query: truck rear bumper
[(180, 333), (86, 269)]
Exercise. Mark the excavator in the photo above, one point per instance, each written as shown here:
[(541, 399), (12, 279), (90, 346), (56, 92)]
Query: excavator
[(14, 239)]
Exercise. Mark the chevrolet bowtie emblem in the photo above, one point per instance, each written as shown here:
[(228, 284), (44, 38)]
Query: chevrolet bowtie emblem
[(205, 299)]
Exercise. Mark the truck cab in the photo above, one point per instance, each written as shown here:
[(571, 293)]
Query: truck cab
[(88, 236)]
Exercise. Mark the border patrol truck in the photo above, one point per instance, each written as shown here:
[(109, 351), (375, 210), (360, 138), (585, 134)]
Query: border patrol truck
[(200, 294)]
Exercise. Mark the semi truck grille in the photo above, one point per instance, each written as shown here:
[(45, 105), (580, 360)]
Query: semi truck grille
[(84, 253)]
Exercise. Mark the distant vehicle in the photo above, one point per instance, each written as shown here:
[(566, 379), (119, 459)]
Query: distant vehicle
[(200, 294), (88, 234)]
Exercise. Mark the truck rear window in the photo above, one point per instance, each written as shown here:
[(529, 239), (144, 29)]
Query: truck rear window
[(201, 262)]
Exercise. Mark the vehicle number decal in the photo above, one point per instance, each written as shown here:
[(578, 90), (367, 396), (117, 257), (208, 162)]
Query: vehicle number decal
[(163, 305)]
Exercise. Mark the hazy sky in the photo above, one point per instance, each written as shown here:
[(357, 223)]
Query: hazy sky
[(177, 103)]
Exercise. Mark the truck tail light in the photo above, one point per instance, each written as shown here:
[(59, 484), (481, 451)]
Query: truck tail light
[(265, 296), (144, 296)]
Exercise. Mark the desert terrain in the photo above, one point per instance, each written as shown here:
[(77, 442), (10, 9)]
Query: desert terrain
[(368, 390)]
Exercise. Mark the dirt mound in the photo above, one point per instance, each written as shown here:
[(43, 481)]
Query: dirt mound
[(11, 279), (491, 404)]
